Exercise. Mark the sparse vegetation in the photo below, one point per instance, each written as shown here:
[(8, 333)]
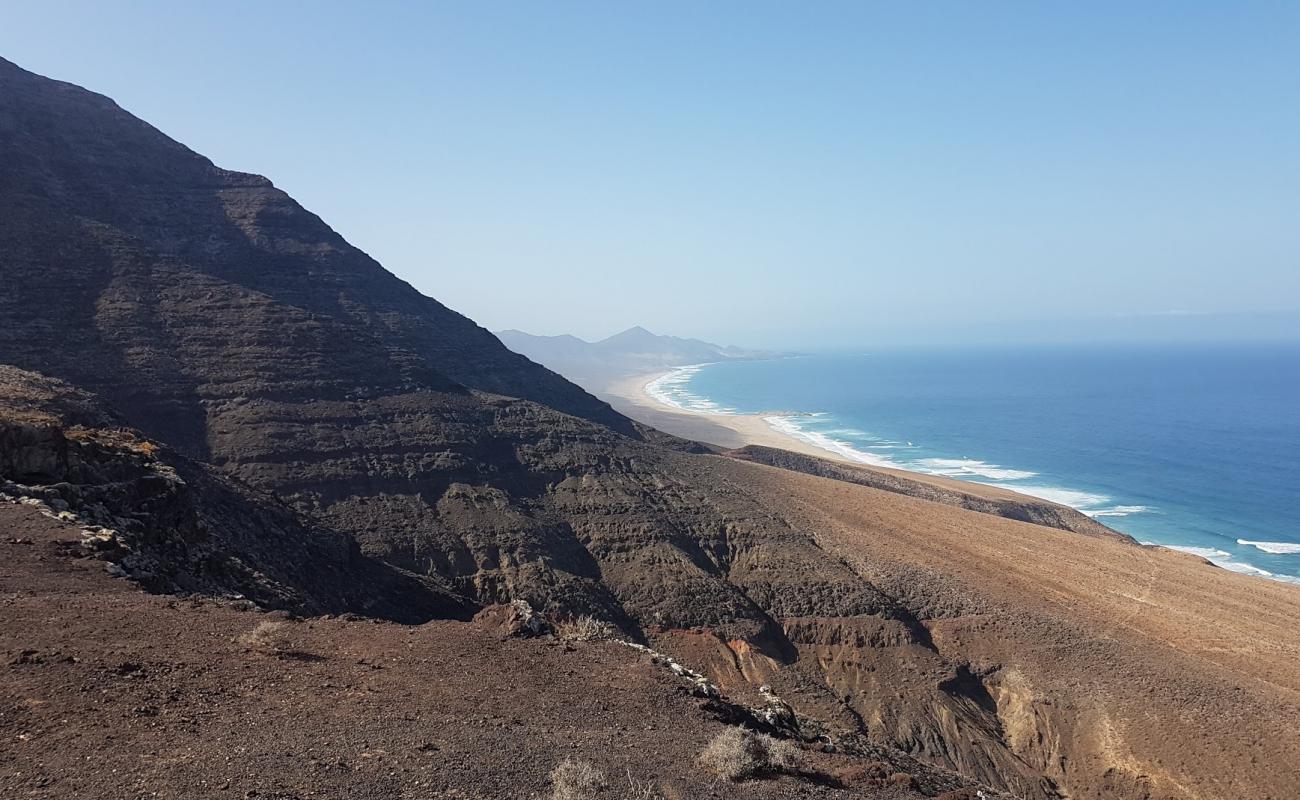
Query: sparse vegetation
[(146, 448), (269, 638), (737, 754), (576, 780), (641, 790), (585, 628)]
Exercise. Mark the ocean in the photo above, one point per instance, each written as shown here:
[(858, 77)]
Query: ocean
[(1191, 447)]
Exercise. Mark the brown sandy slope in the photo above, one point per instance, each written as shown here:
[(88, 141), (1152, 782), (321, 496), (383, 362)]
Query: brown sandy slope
[(110, 693), (1095, 653)]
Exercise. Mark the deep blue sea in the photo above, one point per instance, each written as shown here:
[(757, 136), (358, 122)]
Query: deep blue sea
[(1196, 447)]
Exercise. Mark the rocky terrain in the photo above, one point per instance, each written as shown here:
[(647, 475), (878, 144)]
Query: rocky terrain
[(218, 398)]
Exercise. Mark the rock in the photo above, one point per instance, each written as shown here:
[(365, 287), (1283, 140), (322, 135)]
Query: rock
[(512, 619)]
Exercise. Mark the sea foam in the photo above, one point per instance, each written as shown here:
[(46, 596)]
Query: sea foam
[(1118, 511), (1208, 553), (1276, 548), (965, 467), (789, 425), (1222, 558), (1080, 501), (671, 390)]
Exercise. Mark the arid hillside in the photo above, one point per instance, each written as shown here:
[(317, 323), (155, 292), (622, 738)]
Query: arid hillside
[(226, 400)]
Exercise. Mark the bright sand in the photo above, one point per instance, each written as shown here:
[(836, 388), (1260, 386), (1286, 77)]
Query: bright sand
[(628, 395)]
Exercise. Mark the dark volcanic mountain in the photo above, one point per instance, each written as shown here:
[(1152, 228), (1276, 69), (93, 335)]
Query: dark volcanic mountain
[(342, 443), (194, 284)]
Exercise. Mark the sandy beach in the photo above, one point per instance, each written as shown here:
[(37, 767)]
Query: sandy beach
[(628, 395)]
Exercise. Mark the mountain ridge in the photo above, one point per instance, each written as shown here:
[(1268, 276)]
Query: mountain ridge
[(631, 351)]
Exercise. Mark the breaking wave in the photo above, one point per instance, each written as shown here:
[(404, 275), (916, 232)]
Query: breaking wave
[(970, 467), (673, 389), (789, 425), (1276, 548)]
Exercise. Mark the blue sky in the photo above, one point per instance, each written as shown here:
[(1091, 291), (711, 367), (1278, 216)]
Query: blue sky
[(773, 174)]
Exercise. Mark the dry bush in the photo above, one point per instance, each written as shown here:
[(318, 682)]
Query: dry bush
[(146, 448), (641, 790), (271, 638), (737, 754), (576, 780), (585, 628)]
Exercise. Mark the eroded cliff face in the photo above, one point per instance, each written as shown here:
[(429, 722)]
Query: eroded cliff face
[(179, 527), (345, 443)]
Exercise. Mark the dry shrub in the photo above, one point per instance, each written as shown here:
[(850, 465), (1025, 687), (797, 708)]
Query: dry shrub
[(271, 638), (585, 628), (576, 780), (146, 448), (737, 754), (641, 790)]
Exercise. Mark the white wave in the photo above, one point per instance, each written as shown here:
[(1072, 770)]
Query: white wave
[(1223, 559), (1276, 548), (1081, 501), (1118, 511), (789, 425), (964, 467), (1208, 553), (670, 389), (1242, 567)]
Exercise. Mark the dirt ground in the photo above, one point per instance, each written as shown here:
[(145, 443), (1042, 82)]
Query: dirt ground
[(112, 693)]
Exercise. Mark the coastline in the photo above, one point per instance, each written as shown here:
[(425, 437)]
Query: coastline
[(731, 430), (728, 430)]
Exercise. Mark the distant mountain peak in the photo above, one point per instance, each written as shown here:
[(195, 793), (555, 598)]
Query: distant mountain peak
[(636, 349)]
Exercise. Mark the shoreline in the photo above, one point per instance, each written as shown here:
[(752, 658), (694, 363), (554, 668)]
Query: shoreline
[(744, 428), (733, 430)]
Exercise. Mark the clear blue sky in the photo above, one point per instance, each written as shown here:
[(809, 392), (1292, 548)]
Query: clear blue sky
[(760, 173)]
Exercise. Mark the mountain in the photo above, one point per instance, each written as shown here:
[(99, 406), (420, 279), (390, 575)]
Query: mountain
[(149, 251), (629, 352), (212, 395)]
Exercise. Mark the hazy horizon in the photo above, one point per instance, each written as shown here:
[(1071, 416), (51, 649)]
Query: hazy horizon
[(758, 174), (1154, 329)]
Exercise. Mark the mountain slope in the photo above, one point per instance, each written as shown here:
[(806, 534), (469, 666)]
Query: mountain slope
[(104, 218), (216, 315), (181, 527)]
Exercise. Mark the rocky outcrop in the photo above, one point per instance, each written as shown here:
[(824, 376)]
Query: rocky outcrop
[(179, 527)]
